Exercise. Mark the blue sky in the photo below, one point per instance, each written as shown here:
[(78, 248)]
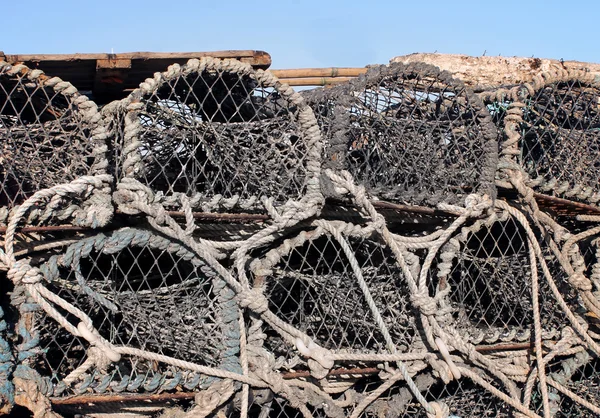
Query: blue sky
[(307, 33)]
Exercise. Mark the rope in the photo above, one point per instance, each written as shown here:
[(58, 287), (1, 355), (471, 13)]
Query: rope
[(538, 331)]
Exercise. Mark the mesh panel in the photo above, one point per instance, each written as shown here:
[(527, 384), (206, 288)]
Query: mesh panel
[(585, 383), (561, 139), (491, 282), (559, 127), (46, 132), (315, 289), (218, 132), (410, 134), (463, 398), (142, 291)]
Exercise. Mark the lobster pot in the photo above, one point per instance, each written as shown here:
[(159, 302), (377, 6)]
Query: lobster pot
[(141, 291), (221, 134), (314, 287), (562, 140), (491, 284), (409, 134), (49, 134), (560, 136)]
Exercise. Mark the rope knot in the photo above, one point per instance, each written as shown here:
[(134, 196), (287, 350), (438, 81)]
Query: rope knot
[(580, 282), (97, 213), (22, 272), (105, 353), (442, 369), (443, 349), (131, 196), (441, 410), (253, 299), (477, 204), (97, 356), (320, 362), (424, 303)]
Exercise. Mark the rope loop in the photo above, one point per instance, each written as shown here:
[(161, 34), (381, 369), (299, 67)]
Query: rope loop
[(426, 304), (580, 282), (253, 299), (21, 272)]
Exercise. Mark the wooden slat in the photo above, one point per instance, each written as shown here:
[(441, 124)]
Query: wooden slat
[(259, 58), (112, 76)]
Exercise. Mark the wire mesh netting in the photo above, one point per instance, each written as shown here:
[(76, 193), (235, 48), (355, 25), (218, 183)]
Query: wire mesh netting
[(314, 288), (562, 135), (233, 277), (559, 125), (409, 133), (50, 134), (491, 281), (142, 291), (583, 381), (221, 133)]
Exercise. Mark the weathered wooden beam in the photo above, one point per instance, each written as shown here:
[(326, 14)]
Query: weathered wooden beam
[(112, 76), (482, 72), (261, 58)]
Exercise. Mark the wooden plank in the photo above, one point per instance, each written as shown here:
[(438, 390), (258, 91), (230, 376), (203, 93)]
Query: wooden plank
[(112, 76), (113, 64), (259, 57)]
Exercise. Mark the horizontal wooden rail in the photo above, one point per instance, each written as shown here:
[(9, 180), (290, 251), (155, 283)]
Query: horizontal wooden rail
[(258, 58)]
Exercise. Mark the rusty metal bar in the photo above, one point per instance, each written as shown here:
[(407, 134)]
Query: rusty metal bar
[(115, 398), (380, 204), (564, 206), (55, 228), (223, 217)]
